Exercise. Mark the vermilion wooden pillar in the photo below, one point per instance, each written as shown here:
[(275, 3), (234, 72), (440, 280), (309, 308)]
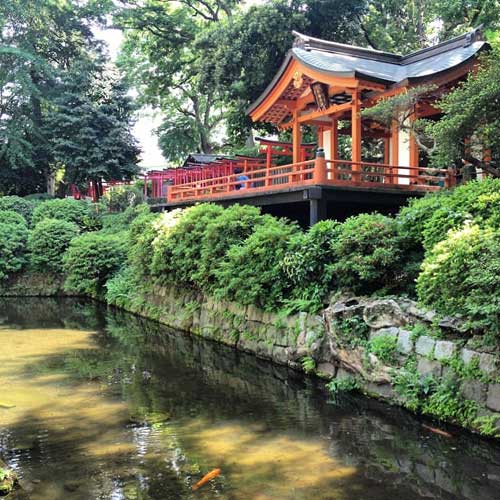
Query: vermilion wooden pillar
[(296, 138), (320, 137), (387, 151), (356, 129), (414, 156)]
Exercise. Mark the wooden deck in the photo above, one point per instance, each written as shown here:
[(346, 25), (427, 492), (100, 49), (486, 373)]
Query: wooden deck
[(264, 179)]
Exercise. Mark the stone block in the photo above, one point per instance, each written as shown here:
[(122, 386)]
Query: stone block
[(493, 400), (280, 355), (488, 362), (444, 349), (428, 367), (342, 373), (425, 345), (327, 369), (467, 355), (384, 391), (392, 331), (405, 343), (383, 313), (474, 390)]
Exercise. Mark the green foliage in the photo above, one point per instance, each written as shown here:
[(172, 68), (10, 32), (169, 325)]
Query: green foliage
[(19, 205), (251, 272), (47, 243), (308, 364), (121, 287), (487, 425), (351, 331), (11, 217), (347, 384), (119, 198), (306, 263), (446, 403), (471, 111), (116, 222), (231, 227), (384, 347), (91, 260), (177, 250), (81, 213), (461, 275), (367, 253), (13, 243)]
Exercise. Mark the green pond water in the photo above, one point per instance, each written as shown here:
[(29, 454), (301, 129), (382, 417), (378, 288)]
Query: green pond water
[(99, 404)]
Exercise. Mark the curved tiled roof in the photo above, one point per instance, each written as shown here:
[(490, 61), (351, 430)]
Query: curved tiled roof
[(342, 60)]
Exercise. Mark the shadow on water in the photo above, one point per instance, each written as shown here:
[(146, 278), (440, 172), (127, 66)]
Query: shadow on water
[(127, 408)]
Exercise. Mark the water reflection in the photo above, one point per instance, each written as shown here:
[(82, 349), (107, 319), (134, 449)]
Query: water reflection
[(108, 405)]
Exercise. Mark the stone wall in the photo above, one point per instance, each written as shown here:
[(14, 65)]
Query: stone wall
[(337, 345)]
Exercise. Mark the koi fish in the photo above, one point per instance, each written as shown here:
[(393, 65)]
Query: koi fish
[(437, 431), (207, 477)]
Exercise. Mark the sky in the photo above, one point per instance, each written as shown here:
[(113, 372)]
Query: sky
[(147, 120)]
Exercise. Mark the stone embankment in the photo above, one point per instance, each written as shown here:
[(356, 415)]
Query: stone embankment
[(341, 343)]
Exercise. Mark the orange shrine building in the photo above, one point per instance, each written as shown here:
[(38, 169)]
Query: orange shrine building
[(325, 86)]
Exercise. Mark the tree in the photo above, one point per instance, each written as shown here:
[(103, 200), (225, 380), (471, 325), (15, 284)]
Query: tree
[(39, 41), (159, 60), (471, 112), (90, 127), (405, 25)]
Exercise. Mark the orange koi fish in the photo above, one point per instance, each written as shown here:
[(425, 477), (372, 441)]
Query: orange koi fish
[(437, 431), (206, 478)]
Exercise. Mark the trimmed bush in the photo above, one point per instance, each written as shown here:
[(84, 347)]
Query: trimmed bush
[(231, 227), (307, 262), (367, 254), (13, 243), (461, 275), (11, 217), (19, 205), (115, 222), (251, 272), (81, 213), (177, 250), (47, 243), (91, 260)]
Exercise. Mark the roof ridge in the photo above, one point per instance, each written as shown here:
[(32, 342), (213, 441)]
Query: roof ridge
[(307, 42)]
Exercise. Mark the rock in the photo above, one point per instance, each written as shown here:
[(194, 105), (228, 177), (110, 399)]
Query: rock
[(327, 369), (384, 391), (452, 324), (383, 313), (444, 349), (488, 363), (428, 367), (343, 374), (280, 355), (474, 390), (493, 400), (425, 345), (405, 343)]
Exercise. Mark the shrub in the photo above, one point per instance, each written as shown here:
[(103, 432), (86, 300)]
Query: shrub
[(91, 260), (11, 217), (461, 275), (81, 213), (307, 261), (231, 227), (251, 272), (19, 205), (384, 347), (48, 241), (119, 198), (177, 250), (115, 222), (13, 242), (367, 250), (121, 287)]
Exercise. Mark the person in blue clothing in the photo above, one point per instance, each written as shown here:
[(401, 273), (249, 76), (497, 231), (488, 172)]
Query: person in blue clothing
[(242, 178)]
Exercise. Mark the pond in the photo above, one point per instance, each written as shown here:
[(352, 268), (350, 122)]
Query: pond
[(100, 404)]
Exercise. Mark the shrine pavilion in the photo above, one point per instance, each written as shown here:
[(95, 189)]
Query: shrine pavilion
[(325, 85)]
